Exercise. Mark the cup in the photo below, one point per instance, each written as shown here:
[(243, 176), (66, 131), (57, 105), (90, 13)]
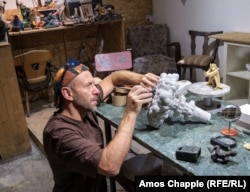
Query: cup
[(118, 99)]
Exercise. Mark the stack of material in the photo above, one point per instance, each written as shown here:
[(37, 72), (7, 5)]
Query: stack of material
[(244, 121), (119, 96)]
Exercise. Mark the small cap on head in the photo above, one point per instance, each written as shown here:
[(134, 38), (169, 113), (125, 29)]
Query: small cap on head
[(63, 77)]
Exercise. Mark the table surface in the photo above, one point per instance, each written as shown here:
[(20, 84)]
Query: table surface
[(175, 133)]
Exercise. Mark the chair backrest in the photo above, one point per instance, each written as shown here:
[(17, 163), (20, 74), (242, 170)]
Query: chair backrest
[(34, 64), (148, 39), (208, 47), (113, 61)]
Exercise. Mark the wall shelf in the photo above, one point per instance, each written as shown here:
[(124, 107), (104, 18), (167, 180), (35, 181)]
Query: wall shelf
[(240, 74), (67, 41)]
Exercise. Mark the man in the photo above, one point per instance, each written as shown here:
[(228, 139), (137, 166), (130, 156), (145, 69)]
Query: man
[(73, 140)]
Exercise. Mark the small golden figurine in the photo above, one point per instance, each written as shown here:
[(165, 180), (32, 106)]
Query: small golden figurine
[(213, 74)]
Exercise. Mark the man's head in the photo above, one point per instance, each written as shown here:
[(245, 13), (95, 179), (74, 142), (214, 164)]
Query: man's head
[(74, 84)]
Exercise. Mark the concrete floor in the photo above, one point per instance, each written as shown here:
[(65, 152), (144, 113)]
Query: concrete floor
[(30, 172)]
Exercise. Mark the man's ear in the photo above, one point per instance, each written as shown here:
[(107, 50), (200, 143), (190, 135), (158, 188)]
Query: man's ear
[(67, 93)]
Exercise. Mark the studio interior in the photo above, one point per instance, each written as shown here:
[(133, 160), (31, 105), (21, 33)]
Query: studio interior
[(198, 119)]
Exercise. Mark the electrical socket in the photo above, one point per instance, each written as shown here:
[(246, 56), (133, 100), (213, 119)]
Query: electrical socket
[(149, 18)]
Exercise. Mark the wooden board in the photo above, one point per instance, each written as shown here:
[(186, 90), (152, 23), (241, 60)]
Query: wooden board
[(113, 61), (14, 137)]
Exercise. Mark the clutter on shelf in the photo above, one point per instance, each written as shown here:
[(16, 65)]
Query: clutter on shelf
[(53, 13)]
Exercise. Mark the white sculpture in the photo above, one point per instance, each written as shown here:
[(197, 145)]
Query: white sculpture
[(169, 101)]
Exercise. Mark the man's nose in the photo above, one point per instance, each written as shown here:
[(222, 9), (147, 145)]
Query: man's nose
[(96, 91)]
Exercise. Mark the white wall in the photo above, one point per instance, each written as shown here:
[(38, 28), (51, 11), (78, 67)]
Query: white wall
[(207, 15)]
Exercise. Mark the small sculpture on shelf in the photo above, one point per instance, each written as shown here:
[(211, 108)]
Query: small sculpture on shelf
[(17, 24), (4, 24), (25, 11), (2, 7), (213, 74), (248, 66)]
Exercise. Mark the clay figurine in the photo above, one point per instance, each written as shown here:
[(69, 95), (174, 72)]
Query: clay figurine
[(213, 74), (221, 156)]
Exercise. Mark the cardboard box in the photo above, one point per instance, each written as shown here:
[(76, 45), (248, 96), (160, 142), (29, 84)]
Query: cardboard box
[(245, 113)]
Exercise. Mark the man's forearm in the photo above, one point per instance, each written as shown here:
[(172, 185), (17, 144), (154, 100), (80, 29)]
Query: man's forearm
[(126, 78), (116, 151), (122, 77)]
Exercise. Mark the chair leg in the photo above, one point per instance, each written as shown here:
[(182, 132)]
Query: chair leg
[(191, 74), (27, 103), (179, 71), (183, 74)]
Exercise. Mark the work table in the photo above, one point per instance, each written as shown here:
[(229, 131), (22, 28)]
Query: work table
[(173, 134)]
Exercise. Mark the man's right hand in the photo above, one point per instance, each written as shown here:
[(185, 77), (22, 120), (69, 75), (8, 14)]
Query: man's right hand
[(138, 96)]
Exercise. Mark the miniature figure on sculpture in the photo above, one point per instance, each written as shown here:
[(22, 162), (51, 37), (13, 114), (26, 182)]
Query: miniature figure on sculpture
[(213, 74), (166, 103)]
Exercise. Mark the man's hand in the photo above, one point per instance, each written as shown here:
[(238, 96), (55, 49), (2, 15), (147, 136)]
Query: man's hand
[(149, 81), (138, 96)]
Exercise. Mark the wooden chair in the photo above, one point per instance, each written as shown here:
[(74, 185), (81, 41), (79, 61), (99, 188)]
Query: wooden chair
[(151, 51), (33, 72), (208, 53)]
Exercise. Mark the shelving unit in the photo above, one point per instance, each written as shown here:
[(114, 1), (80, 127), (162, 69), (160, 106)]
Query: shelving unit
[(67, 41), (235, 74)]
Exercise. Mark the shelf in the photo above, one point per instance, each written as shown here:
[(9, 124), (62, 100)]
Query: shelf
[(240, 74), (41, 30), (67, 41), (235, 37), (238, 102)]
